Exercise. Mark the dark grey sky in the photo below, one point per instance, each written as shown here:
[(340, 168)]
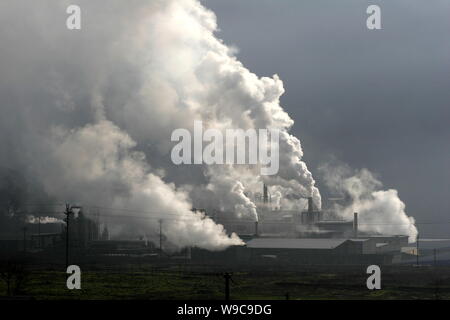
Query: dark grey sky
[(375, 99)]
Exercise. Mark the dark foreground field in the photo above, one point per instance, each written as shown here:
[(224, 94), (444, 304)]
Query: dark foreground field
[(154, 280)]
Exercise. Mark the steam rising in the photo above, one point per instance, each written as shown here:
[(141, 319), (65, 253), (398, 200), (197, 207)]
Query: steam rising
[(43, 220), (87, 117), (379, 211), (89, 113)]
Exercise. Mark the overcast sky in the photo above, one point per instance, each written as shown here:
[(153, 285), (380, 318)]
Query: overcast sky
[(376, 99)]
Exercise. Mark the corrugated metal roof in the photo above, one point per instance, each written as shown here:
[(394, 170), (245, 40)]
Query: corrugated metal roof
[(302, 243), (334, 222)]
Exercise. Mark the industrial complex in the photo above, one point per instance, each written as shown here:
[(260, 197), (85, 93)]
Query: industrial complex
[(306, 237), (279, 237)]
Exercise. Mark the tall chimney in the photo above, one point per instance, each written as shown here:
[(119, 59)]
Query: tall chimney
[(310, 204), (266, 194), (256, 228), (355, 225)]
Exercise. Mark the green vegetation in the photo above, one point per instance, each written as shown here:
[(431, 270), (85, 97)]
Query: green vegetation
[(150, 281)]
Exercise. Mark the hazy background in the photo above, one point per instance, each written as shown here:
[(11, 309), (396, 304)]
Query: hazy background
[(375, 99)]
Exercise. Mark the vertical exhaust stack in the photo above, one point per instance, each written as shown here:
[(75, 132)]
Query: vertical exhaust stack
[(265, 194), (256, 229), (310, 204), (355, 225), (308, 217)]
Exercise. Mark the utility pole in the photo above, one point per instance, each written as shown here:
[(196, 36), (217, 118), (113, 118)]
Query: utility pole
[(417, 249), (160, 238), (436, 289), (39, 232), (24, 239), (227, 277), (67, 213), (97, 224)]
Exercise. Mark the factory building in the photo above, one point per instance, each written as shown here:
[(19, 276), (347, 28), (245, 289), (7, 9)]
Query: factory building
[(82, 230), (311, 223), (306, 251), (309, 237)]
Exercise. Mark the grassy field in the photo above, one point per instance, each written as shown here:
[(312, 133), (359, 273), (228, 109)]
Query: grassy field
[(153, 281)]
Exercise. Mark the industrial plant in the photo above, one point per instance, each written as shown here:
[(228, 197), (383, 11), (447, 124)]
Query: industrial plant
[(311, 236), (278, 237)]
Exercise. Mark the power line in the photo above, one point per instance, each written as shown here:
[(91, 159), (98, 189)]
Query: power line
[(35, 204), (67, 213), (167, 216)]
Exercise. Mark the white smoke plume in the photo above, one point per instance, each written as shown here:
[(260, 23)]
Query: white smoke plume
[(230, 193), (42, 220), (89, 113), (379, 211)]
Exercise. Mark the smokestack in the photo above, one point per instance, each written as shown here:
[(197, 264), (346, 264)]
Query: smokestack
[(310, 204), (266, 194), (256, 228), (355, 225)]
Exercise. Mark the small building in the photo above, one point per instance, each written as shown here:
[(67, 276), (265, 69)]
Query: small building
[(45, 240), (298, 251), (318, 251)]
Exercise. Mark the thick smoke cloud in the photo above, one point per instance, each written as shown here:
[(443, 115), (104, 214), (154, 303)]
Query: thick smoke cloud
[(379, 211), (87, 115)]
